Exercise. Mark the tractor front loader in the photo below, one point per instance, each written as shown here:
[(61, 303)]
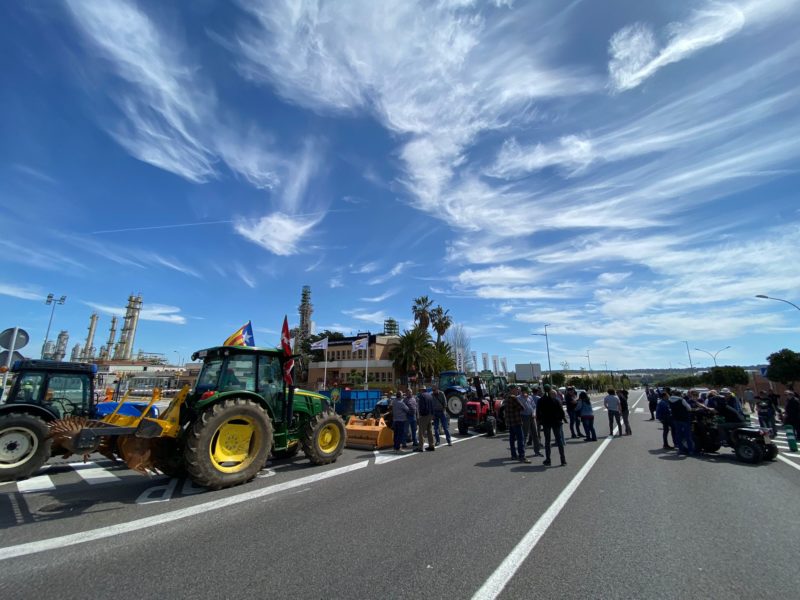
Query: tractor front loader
[(222, 433)]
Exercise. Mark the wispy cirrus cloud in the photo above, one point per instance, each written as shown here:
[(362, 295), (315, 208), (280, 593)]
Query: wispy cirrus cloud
[(150, 312), (23, 292), (637, 55), (380, 298), (170, 119), (395, 271)]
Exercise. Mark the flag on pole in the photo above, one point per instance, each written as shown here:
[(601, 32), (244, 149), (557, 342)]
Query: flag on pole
[(320, 345), (361, 343), (287, 351), (241, 337)]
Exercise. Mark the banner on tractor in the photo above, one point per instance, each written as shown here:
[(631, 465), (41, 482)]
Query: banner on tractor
[(241, 337)]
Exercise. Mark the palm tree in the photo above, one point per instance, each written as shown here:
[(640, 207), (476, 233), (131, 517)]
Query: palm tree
[(411, 355), (422, 312), (440, 358), (441, 322)]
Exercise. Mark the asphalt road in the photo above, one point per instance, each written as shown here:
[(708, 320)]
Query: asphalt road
[(624, 519)]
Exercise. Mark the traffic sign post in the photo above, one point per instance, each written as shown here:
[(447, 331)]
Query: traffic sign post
[(13, 339)]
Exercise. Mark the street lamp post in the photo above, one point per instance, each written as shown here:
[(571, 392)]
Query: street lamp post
[(547, 344), (690, 356), (180, 358), (51, 300), (713, 356), (778, 299)]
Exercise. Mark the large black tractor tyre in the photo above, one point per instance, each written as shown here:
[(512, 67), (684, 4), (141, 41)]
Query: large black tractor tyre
[(228, 444), (771, 452), (749, 452), (490, 427), (324, 437), (24, 445), (463, 426), (456, 404), (289, 452)]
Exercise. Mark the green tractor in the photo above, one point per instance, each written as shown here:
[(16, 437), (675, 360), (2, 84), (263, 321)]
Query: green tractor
[(222, 433)]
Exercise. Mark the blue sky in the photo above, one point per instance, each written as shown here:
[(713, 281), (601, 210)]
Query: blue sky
[(624, 171)]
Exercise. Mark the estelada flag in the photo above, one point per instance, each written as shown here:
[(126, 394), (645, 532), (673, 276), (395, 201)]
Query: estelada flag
[(287, 351), (241, 337)]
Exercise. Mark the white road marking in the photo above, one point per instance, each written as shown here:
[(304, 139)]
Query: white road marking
[(93, 475), (386, 456), (638, 410), (795, 456), (493, 586), (40, 483), (170, 516), (158, 493), (788, 462)]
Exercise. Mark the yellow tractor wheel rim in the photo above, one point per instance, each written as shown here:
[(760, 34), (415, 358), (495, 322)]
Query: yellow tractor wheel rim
[(234, 445), (329, 438)]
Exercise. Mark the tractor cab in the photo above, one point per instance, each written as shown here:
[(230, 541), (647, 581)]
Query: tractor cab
[(58, 389), (236, 369)]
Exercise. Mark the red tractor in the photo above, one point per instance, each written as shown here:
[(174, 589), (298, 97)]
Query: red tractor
[(481, 414)]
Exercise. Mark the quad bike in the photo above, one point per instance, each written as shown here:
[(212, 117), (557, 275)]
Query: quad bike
[(751, 444)]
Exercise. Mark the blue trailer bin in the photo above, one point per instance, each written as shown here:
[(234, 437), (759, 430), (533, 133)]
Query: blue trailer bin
[(355, 401)]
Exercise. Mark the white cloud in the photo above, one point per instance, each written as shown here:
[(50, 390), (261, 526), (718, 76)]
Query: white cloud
[(150, 312), (244, 275), (636, 55), (377, 317), (369, 267), (396, 270), (335, 282), (386, 295), (279, 233), (172, 263), (612, 278), (23, 292)]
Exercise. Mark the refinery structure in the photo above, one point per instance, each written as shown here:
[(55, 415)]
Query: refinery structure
[(112, 350)]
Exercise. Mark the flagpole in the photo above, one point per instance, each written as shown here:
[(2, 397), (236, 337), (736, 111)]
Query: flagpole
[(366, 365), (325, 374)]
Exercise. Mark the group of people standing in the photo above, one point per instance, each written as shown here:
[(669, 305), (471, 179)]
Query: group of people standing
[(420, 417)]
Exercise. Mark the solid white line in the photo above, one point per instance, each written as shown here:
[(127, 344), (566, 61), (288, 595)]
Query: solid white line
[(788, 462), (92, 474), (786, 454), (497, 581), (638, 410), (39, 483), (168, 517)]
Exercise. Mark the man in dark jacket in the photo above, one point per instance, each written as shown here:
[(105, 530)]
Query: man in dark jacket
[(513, 416), (425, 403), (550, 414), (440, 417)]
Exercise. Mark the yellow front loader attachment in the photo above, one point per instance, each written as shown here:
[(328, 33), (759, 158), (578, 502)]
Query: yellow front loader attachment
[(144, 443), (369, 434)]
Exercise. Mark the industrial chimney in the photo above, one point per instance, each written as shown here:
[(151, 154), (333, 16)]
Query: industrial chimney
[(88, 348), (61, 346), (122, 346), (107, 350)]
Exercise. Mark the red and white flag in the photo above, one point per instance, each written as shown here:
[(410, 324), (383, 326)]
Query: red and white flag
[(287, 351)]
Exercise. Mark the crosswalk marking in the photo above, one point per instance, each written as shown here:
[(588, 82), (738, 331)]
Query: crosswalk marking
[(93, 475), (39, 483), (639, 410)]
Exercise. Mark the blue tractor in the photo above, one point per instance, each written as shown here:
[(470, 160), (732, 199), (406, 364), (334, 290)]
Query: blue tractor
[(457, 390), (45, 391)]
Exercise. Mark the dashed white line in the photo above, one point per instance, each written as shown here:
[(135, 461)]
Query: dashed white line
[(93, 474), (40, 483)]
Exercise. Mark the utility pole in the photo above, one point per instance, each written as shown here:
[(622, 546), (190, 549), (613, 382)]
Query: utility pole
[(547, 344)]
